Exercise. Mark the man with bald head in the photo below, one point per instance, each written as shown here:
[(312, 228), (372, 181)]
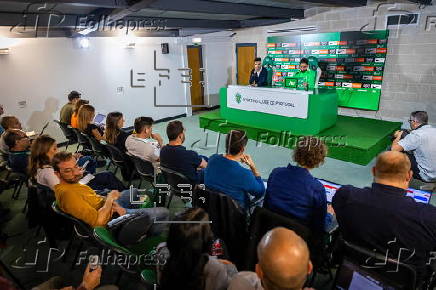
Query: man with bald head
[(284, 263), (382, 217)]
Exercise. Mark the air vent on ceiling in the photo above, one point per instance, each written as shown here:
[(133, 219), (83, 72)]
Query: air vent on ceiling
[(297, 29), (402, 19)]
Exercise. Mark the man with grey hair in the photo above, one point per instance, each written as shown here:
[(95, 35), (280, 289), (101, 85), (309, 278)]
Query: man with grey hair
[(284, 263), (419, 145)]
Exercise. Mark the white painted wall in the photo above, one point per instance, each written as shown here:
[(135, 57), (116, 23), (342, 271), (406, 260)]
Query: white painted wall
[(41, 71), (218, 56)]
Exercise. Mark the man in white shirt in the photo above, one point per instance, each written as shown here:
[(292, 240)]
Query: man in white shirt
[(419, 145), (144, 144)]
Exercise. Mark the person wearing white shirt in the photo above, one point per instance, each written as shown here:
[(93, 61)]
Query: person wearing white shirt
[(144, 143), (419, 145), (43, 150)]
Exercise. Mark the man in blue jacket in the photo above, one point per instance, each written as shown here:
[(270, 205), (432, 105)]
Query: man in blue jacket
[(258, 75)]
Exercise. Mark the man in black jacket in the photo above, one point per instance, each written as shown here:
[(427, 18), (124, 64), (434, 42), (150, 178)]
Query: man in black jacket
[(258, 75), (382, 217)]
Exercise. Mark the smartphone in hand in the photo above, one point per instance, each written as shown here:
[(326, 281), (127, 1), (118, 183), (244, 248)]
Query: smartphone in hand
[(85, 164), (93, 262)]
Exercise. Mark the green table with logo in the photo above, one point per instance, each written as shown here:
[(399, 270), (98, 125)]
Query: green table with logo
[(297, 112)]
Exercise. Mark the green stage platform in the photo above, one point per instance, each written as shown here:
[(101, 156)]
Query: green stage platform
[(353, 139)]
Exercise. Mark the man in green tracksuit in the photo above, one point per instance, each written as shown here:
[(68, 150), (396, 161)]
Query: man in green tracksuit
[(307, 76)]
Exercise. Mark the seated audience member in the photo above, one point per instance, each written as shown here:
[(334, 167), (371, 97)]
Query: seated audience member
[(175, 156), (382, 217), (225, 174), (86, 122), (75, 115), (144, 144), (284, 263), (113, 133), (42, 152), (294, 192), (83, 203), (8, 123), (419, 146), (19, 145), (67, 109), (189, 265)]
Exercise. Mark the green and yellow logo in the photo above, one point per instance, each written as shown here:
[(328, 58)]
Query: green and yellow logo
[(238, 98)]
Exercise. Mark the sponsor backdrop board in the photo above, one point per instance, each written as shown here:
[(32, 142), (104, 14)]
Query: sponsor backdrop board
[(351, 61)]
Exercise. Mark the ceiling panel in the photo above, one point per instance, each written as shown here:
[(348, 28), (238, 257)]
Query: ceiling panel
[(188, 15), (292, 4), (32, 8)]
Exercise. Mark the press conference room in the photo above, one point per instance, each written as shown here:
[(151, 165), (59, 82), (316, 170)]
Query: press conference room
[(217, 144)]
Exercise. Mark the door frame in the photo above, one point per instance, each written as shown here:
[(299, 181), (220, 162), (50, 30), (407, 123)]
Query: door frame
[(236, 51), (201, 73)]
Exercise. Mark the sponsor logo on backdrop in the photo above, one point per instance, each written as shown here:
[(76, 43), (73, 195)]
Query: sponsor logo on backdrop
[(238, 98)]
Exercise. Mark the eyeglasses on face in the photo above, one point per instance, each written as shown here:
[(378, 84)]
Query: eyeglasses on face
[(69, 169)]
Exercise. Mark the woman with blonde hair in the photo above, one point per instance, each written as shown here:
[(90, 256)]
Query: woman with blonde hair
[(86, 125), (75, 115), (113, 133)]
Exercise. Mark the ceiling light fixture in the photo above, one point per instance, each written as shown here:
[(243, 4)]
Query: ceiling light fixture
[(84, 42), (196, 40)]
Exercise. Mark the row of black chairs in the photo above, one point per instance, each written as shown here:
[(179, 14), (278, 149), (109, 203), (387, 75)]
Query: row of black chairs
[(44, 213)]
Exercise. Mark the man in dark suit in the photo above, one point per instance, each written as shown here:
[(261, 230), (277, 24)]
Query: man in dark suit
[(258, 75)]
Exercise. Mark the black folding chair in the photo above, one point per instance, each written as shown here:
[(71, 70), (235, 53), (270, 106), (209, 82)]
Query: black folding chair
[(402, 274), (41, 214), (143, 168), (229, 221), (97, 148), (83, 232), (82, 141), (121, 161), (68, 132), (179, 184), (17, 179)]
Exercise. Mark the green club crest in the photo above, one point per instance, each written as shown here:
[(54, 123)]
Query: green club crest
[(238, 98)]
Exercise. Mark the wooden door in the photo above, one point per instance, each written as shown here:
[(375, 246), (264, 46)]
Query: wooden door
[(245, 55), (195, 62)]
